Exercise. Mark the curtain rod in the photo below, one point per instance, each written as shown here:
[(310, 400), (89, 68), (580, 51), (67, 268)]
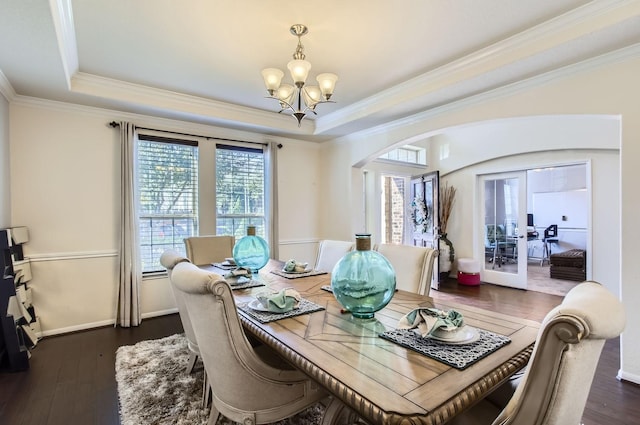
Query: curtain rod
[(115, 124)]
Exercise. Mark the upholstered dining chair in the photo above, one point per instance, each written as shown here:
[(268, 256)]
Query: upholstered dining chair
[(330, 252), (169, 259), (250, 385), (413, 265), (209, 249), (554, 387)]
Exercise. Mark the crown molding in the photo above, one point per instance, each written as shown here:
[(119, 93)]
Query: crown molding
[(62, 15), (150, 121), (574, 24), (224, 113), (6, 89), (617, 56)]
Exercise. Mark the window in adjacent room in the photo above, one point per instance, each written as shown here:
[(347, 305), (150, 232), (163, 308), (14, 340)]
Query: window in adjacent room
[(408, 154), (240, 190), (167, 171), (393, 209)]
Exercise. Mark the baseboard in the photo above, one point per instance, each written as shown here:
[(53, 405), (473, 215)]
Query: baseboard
[(629, 377), (76, 328), (102, 323), (160, 313)]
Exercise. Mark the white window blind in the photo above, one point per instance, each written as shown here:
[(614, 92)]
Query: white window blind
[(167, 171), (240, 190)]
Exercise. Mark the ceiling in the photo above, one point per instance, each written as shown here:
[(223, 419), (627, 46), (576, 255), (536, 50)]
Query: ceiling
[(200, 60)]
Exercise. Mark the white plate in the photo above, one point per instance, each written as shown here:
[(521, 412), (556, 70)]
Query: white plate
[(304, 271), (257, 305), (464, 335)]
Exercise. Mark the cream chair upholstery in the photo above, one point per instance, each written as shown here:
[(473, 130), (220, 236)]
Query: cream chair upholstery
[(555, 386), (330, 252), (413, 265), (169, 259), (209, 249), (246, 388)]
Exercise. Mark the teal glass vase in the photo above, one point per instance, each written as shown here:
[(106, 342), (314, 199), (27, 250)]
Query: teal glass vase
[(251, 251), (363, 281)]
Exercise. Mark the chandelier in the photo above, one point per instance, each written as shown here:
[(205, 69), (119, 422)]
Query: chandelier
[(299, 99)]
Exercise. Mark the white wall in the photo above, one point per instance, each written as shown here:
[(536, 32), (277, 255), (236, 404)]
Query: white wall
[(300, 178), (5, 180), (601, 93), (559, 195), (65, 189)]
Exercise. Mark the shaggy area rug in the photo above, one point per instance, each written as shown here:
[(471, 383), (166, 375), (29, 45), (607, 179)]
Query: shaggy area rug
[(153, 387)]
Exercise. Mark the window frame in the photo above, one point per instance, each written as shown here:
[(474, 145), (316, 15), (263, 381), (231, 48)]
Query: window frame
[(190, 221), (260, 220)]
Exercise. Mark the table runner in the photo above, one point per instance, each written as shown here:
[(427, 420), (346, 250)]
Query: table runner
[(457, 356), (297, 275), (304, 307)]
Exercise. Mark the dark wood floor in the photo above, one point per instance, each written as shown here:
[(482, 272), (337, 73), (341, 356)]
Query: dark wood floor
[(72, 381)]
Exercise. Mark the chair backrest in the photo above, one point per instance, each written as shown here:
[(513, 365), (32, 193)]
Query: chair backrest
[(245, 388), (493, 233), (330, 252), (413, 266), (557, 381), (169, 259), (209, 249), (551, 231)]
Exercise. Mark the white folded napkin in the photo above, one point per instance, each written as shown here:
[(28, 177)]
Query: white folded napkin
[(430, 320)]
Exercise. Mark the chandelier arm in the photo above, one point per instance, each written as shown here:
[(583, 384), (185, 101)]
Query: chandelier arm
[(281, 102)]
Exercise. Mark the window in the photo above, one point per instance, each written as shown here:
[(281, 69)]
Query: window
[(393, 209), (240, 190), (167, 171), (408, 153)]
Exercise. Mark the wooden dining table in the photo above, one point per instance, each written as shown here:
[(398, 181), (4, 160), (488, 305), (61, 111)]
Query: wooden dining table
[(373, 378)]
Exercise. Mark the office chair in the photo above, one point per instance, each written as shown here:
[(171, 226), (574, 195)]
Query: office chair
[(494, 243), (550, 236)]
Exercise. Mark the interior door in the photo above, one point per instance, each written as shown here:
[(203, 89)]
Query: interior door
[(503, 229), (423, 218)]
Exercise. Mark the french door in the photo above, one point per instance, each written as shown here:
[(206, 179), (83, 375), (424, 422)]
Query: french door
[(503, 228), (424, 221)]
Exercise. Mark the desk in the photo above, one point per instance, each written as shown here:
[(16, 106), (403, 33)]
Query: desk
[(379, 380)]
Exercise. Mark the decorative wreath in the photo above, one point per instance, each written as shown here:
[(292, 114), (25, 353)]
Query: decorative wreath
[(420, 216)]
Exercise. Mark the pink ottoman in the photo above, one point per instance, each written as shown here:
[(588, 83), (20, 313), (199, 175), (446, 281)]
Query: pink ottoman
[(468, 272)]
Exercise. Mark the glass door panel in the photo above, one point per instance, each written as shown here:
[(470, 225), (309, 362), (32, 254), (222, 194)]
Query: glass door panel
[(503, 229)]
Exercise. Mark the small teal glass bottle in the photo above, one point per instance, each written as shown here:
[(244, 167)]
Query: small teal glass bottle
[(363, 281), (251, 251)]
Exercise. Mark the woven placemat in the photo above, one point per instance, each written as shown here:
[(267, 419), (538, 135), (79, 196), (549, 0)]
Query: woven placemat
[(458, 356), (297, 275), (304, 307), (224, 266), (246, 284)]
